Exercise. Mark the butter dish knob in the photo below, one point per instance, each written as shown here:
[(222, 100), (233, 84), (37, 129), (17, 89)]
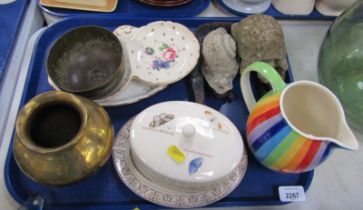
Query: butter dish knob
[(188, 131)]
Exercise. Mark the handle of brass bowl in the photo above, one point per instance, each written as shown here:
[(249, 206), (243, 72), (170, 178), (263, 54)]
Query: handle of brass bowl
[(266, 71)]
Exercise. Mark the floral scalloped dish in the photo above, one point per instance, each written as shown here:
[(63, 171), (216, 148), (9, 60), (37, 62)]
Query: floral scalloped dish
[(163, 52)]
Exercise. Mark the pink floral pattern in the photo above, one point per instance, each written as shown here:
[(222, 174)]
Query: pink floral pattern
[(165, 59), (169, 54)]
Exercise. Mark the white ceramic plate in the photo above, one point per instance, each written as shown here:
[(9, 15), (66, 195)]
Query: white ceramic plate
[(6, 1), (160, 195), (333, 7), (135, 91), (294, 7), (163, 52), (326, 10), (248, 8)]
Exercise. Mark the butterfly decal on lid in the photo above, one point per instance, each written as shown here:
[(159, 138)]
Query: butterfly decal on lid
[(195, 164), (213, 120)]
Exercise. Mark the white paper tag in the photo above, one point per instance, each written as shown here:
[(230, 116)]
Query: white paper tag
[(291, 193)]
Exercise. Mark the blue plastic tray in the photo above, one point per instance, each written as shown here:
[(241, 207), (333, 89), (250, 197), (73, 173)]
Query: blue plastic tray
[(10, 20), (134, 8), (105, 190), (314, 15)]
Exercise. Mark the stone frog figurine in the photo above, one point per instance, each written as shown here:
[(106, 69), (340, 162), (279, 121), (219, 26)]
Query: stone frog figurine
[(260, 38), (220, 65)]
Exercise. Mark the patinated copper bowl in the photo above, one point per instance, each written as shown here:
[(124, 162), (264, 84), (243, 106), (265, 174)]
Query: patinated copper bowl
[(86, 61)]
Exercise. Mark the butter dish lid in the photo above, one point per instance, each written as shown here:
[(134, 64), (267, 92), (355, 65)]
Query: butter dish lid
[(186, 141)]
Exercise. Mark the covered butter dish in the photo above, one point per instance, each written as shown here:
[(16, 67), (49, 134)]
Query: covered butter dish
[(185, 146), (180, 154)]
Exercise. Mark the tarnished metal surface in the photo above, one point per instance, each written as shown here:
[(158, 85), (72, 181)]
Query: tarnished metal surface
[(86, 61), (62, 138)]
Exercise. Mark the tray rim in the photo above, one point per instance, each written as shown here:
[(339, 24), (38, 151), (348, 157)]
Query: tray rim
[(21, 7), (7, 181), (71, 20)]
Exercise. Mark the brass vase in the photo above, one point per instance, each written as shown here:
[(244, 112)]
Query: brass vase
[(62, 138)]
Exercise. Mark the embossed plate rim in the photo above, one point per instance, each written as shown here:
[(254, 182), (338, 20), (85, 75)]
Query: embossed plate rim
[(122, 162)]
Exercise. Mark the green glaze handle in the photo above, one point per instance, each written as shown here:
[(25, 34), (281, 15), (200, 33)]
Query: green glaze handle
[(265, 70)]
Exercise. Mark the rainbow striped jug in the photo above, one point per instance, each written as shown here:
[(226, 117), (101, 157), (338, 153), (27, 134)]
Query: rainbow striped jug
[(294, 127)]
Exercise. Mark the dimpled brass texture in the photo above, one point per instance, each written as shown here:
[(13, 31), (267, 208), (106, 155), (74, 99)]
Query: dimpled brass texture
[(62, 138)]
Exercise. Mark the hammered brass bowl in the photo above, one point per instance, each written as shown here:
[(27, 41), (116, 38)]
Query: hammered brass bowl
[(86, 61), (62, 138)]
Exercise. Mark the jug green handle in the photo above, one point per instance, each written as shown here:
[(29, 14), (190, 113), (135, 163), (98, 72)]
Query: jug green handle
[(265, 70)]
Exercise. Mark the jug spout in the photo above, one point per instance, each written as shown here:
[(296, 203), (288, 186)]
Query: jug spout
[(346, 138)]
